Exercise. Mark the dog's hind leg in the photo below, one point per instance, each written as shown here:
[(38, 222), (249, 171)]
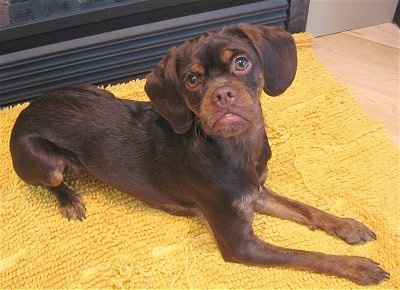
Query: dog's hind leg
[(70, 204), (348, 229), (40, 162)]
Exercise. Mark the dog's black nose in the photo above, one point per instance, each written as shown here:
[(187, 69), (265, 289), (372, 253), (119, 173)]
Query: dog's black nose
[(224, 96)]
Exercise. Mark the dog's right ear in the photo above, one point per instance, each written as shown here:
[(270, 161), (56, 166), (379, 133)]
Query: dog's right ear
[(162, 87)]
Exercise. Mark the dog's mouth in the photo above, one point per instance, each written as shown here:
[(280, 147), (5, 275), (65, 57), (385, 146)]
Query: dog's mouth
[(229, 119), (229, 124)]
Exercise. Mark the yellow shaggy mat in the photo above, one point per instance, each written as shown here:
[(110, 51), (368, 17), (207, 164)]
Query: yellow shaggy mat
[(326, 152)]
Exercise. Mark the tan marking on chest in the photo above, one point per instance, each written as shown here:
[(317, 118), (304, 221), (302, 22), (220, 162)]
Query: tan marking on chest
[(245, 206)]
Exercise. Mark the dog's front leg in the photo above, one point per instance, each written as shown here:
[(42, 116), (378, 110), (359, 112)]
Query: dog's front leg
[(360, 270), (348, 229), (237, 243)]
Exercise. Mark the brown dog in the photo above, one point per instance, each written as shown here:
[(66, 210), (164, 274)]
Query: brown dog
[(199, 148)]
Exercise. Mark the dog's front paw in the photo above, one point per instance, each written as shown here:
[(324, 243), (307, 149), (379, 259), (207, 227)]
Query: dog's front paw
[(362, 270), (352, 231)]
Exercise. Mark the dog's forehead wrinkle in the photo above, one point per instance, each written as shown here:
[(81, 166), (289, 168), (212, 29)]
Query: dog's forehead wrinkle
[(216, 45)]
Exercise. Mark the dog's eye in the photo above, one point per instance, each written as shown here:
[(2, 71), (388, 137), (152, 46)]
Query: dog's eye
[(192, 81), (241, 63)]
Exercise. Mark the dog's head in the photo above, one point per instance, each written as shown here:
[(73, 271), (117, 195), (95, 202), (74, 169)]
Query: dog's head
[(217, 78)]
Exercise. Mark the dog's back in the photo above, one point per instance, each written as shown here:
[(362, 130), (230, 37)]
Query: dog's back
[(75, 128)]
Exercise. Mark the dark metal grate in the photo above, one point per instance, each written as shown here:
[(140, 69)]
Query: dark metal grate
[(118, 55)]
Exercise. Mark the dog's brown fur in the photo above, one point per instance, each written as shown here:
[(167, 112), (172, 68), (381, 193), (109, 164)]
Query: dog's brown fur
[(199, 148)]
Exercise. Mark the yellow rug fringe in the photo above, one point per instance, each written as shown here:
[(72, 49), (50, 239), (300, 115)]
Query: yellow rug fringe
[(326, 152)]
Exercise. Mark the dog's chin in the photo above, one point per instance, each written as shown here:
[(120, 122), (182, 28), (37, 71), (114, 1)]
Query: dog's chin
[(228, 125)]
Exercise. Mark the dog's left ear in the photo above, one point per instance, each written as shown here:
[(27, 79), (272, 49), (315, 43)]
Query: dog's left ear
[(163, 90), (277, 51)]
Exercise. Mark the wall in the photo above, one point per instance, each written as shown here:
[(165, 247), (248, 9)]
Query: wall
[(326, 16)]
